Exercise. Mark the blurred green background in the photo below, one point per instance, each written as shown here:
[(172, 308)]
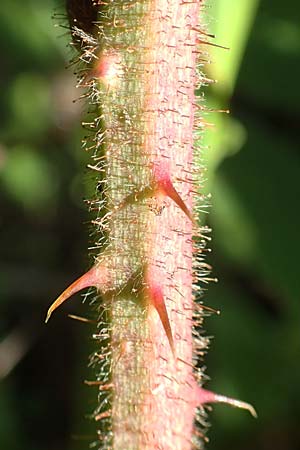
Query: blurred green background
[(253, 160)]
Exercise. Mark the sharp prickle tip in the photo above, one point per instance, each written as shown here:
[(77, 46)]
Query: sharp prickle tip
[(158, 302), (237, 404), (171, 192), (166, 187), (86, 280), (204, 396)]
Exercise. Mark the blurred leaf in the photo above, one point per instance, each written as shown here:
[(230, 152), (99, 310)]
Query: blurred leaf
[(231, 24), (28, 27), (29, 179), (234, 227), (271, 70), (232, 27), (30, 105), (269, 197)]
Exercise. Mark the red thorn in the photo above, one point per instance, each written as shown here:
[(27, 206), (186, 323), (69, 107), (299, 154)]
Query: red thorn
[(171, 192), (204, 396), (157, 300), (88, 279), (166, 187)]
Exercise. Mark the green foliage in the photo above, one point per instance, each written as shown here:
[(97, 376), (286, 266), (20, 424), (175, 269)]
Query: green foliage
[(255, 222)]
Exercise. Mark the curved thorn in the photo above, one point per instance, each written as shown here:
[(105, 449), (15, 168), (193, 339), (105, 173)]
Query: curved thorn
[(236, 403), (205, 396), (86, 280)]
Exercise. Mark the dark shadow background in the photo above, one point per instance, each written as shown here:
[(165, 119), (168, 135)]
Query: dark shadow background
[(255, 219)]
